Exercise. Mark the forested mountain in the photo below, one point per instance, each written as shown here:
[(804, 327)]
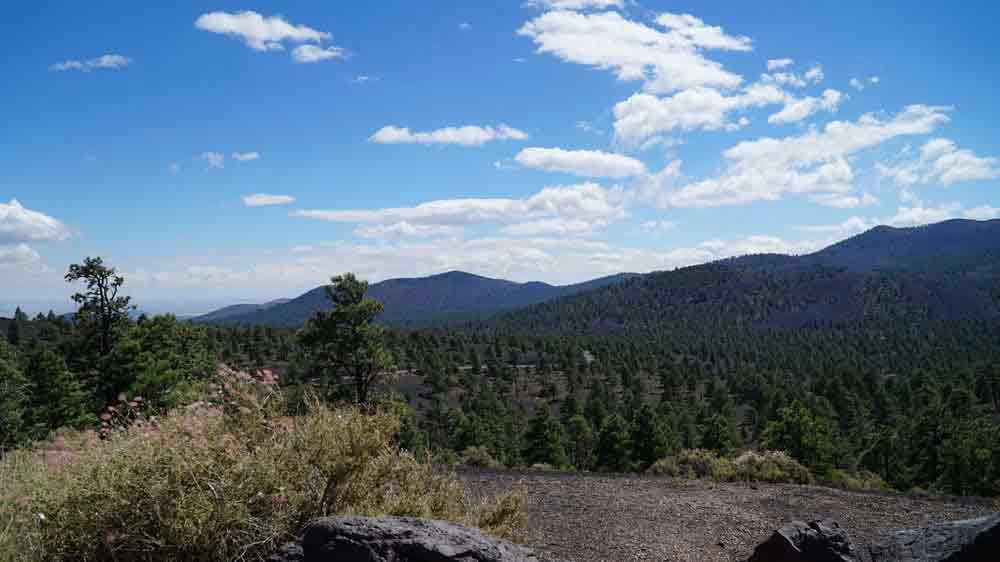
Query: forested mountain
[(946, 271), (455, 296)]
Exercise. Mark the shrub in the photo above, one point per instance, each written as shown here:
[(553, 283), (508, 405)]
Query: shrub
[(770, 466), (863, 481), (480, 457), (226, 481), (695, 463)]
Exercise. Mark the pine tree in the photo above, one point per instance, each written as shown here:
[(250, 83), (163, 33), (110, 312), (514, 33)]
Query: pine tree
[(545, 442), (13, 400), (614, 445)]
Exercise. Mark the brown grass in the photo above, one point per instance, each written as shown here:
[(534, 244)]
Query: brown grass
[(227, 479)]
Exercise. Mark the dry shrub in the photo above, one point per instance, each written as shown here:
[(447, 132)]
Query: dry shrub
[(863, 481), (770, 466), (749, 466), (230, 480), (480, 457)]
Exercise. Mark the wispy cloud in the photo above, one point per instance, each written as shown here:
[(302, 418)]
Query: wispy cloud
[(267, 199), (109, 62), (468, 135), (246, 156), (271, 33)]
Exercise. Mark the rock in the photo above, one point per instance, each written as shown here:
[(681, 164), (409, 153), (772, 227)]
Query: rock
[(972, 540), (817, 541), (402, 539), (291, 552)]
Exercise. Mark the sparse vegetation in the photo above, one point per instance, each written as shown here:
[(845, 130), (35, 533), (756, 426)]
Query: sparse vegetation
[(225, 479)]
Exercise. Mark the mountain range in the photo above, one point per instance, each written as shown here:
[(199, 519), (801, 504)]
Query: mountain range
[(446, 298), (948, 270), (945, 271)]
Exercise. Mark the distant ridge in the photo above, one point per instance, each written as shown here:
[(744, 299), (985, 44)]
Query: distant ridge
[(944, 271), (451, 297)]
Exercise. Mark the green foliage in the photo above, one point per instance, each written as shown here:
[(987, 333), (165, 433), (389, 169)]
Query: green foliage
[(101, 310), (546, 440), (345, 341), (614, 445), (803, 435), (14, 398)]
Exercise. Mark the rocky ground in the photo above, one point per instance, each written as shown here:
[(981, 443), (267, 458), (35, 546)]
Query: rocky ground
[(624, 518)]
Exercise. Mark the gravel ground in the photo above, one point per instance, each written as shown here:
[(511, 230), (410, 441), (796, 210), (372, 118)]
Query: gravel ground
[(624, 518)]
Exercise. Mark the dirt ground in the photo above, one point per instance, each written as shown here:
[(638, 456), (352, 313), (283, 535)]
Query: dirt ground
[(625, 518)]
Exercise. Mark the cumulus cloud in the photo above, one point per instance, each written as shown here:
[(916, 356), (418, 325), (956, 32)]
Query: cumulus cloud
[(213, 159), (245, 156), (270, 34), (815, 74), (815, 162), (109, 61), (857, 84), (586, 163), (267, 199), (665, 59), (19, 225), (777, 64), (468, 135), (644, 116), (940, 160)]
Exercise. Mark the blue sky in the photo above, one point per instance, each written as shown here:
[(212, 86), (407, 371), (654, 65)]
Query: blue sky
[(234, 152)]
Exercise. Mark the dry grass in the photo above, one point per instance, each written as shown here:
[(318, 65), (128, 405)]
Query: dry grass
[(224, 480)]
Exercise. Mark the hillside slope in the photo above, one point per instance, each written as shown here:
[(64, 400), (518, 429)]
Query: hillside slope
[(438, 299), (946, 271)]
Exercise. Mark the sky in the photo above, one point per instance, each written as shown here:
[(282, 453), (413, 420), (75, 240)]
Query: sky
[(227, 152)]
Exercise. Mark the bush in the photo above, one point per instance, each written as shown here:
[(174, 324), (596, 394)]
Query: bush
[(225, 481), (695, 463), (770, 466), (863, 481), (480, 457)]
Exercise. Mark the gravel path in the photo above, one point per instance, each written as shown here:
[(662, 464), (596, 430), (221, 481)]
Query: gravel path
[(620, 518)]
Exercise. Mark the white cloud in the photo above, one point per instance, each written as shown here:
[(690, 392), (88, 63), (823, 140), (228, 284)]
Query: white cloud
[(110, 61), (664, 61), (469, 135), (314, 53), (464, 26), (586, 163), (576, 4), (784, 79), (844, 201), (857, 84), (981, 213), (919, 215), (588, 127), (815, 74), (17, 255), (271, 34), (776, 64), (656, 226), (405, 229), (644, 116), (797, 109), (814, 162), (18, 225), (556, 226), (266, 199), (245, 156), (586, 201), (361, 79), (213, 159), (941, 161), (874, 79), (258, 32), (850, 227)]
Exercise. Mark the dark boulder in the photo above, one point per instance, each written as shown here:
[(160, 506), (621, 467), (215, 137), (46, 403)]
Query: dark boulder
[(816, 541), (972, 540), (399, 539)]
